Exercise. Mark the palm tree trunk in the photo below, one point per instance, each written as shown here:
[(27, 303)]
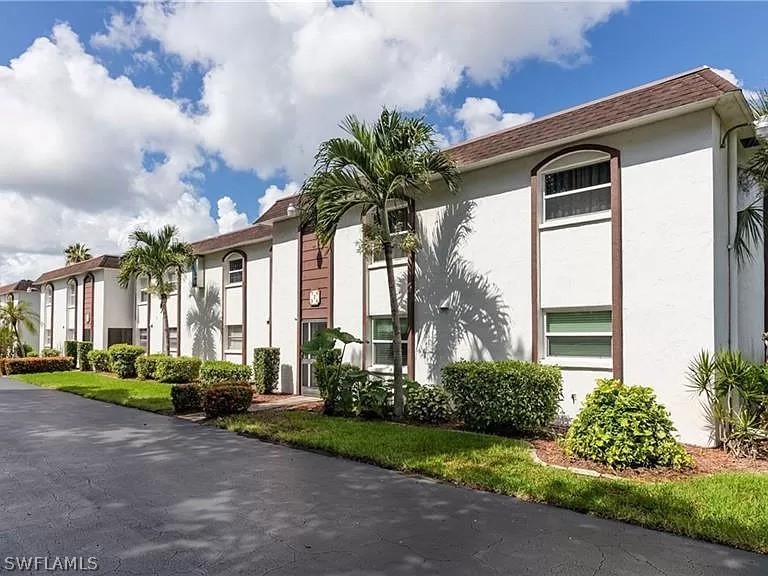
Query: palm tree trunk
[(16, 347), (397, 352), (166, 328)]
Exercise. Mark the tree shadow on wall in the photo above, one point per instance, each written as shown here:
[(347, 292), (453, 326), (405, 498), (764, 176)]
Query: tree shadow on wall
[(455, 302), (204, 321)]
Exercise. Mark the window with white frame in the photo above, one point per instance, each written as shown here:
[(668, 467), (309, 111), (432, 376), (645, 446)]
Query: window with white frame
[(143, 289), (578, 333), (144, 338), (382, 341), (48, 320), (71, 294), (398, 227), (235, 270), (234, 338), (173, 336), (576, 191)]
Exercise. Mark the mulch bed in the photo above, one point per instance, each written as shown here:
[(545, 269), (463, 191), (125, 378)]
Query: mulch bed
[(706, 461)]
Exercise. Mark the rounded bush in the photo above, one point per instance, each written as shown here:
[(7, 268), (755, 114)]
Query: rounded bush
[(186, 398), (83, 349), (99, 360), (50, 352), (36, 364), (214, 372), (226, 399), (625, 427), (122, 358), (429, 404), (177, 370), (509, 395), (146, 366)]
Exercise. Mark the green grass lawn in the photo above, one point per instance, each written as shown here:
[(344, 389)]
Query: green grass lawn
[(728, 508), (146, 395)]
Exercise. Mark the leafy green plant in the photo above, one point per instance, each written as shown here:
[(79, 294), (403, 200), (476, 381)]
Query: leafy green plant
[(186, 398), (625, 427), (266, 369), (226, 399), (99, 360), (429, 405), (214, 372), (15, 315), (83, 348), (146, 366), (509, 395), (177, 370), (50, 352), (70, 350), (33, 365), (122, 359), (374, 396)]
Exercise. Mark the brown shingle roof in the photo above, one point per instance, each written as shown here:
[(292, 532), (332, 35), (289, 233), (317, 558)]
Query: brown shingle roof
[(19, 286), (687, 88), (278, 209), (253, 233), (97, 263)]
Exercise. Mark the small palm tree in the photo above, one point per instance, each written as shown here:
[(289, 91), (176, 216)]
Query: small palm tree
[(155, 255), (77, 253), (376, 165), (16, 315)]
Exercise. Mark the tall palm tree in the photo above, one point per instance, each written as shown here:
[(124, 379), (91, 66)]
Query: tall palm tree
[(394, 159), (77, 253), (17, 315), (155, 255)]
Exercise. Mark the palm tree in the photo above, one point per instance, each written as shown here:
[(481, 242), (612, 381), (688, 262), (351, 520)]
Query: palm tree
[(77, 253), (15, 315), (155, 255), (374, 166)]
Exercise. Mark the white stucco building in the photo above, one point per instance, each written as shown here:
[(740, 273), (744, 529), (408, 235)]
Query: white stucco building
[(597, 239)]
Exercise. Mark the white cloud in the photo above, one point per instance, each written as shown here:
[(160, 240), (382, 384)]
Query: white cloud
[(279, 77), (275, 193), (729, 75), (480, 116), (229, 218)]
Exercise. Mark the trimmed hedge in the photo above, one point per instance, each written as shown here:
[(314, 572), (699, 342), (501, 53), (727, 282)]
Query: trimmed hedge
[(226, 399), (122, 358), (50, 353), (70, 349), (35, 364), (429, 405), (146, 366), (99, 360), (186, 398), (509, 395), (625, 427), (177, 370), (214, 372), (83, 349), (266, 369)]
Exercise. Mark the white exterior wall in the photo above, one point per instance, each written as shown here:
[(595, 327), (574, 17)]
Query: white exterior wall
[(348, 285), (112, 304), (201, 312), (285, 286)]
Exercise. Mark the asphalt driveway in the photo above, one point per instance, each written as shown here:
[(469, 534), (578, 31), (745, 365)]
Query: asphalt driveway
[(148, 494)]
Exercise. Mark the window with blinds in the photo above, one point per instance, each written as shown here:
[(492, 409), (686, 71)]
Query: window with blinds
[(382, 343), (581, 190), (578, 333)]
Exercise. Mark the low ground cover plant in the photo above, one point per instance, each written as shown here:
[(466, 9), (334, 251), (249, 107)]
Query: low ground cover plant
[(625, 427)]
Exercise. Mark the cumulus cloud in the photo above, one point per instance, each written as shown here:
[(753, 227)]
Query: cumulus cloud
[(479, 116), (279, 77), (229, 218), (729, 75), (275, 193)]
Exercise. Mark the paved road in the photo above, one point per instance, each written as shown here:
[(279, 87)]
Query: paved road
[(148, 494)]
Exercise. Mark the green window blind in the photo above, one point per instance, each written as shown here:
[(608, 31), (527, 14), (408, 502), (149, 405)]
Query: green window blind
[(579, 322), (584, 334)]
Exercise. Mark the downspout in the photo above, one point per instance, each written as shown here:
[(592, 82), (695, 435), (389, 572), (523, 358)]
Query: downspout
[(733, 268)]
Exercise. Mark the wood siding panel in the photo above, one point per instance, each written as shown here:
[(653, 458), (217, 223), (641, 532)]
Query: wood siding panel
[(315, 275)]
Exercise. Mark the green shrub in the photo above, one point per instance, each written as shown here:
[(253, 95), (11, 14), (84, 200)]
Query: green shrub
[(146, 366), (99, 360), (625, 427), (28, 350), (266, 369), (226, 399), (83, 349), (49, 353), (375, 397), (429, 405), (509, 395), (214, 372), (122, 358), (70, 349), (177, 370), (35, 364), (186, 397), (2, 367)]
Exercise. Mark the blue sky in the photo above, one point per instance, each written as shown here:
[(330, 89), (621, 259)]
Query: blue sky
[(630, 46)]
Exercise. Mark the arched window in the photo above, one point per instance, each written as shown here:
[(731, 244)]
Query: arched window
[(234, 307), (72, 309), (48, 317)]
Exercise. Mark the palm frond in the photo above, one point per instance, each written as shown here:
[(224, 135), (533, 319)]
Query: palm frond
[(749, 231)]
